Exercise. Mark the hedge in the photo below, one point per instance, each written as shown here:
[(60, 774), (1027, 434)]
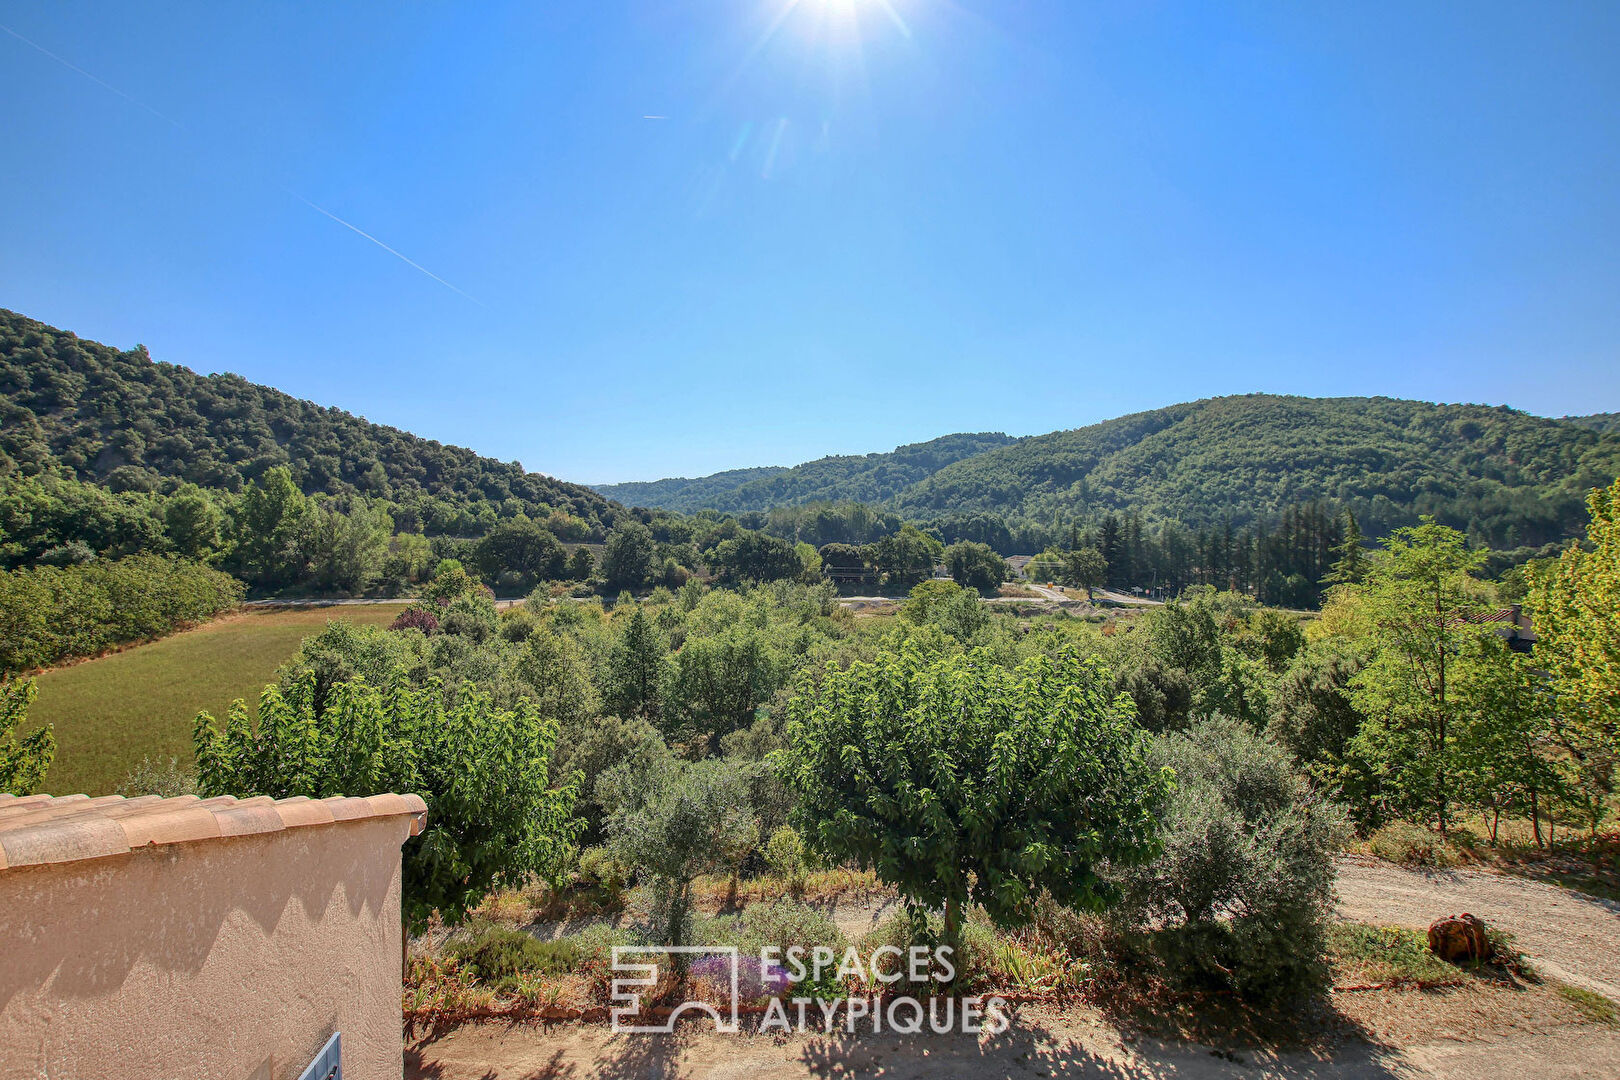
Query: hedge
[(49, 614)]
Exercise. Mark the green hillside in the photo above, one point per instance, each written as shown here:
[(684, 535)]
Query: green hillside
[(870, 478), (686, 494), (1605, 422), (1511, 478), (120, 419)]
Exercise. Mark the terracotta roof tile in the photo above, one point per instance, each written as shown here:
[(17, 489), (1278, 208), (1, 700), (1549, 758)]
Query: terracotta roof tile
[(37, 829)]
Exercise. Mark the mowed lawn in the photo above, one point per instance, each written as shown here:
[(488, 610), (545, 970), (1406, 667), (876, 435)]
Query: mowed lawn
[(110, 713)]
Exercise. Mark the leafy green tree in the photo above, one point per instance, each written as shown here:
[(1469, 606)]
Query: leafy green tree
[(628, 557), (1417, 599), (581, 565), (755, 556), (25, 761), (719, 681), (272, 521), (521, 548), (975, 566), (193, 524), (637, 670), (1505, 734), (346, 552), (907, 556), (961, 782), (493, 818), (1313, 716), (689, 818), (1575, 609), (1085, 568), (1049, 565), (945, 604), (450, 581), (927, 597)]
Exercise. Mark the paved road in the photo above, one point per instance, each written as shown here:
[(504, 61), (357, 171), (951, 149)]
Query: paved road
[(360, 602)]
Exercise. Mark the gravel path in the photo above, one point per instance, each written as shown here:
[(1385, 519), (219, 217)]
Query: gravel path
[(1568, 935)]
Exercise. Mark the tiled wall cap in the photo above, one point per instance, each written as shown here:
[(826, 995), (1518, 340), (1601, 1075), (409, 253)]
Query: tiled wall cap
[(41, 829)]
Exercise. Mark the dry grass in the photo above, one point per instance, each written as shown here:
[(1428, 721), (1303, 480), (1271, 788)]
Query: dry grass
[(112, 712)]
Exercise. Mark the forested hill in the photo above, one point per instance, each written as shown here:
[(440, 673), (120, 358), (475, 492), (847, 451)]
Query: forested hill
[(869, 478), (121, 419), (1513, 478), (1606, 422)]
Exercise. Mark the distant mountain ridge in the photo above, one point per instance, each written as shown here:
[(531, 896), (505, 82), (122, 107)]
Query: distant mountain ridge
[(871, 478), (1512, 477)]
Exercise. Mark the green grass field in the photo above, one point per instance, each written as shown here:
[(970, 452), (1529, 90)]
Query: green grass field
[(110, 713)]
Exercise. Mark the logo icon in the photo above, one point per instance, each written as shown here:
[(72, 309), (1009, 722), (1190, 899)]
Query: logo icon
[(627, 1004)]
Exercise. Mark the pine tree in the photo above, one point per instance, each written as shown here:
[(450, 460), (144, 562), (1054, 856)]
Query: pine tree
[(1351, 566)]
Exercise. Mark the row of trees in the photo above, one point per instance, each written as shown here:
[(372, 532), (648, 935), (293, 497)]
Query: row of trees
[(49, 614)]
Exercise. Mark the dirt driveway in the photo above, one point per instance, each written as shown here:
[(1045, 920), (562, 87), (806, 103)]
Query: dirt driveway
[(1041, 1042), (1409, 1035), (1568, 935)]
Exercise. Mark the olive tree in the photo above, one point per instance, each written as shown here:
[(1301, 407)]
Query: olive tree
[(960, 781), (673, 821), (1240, 898)]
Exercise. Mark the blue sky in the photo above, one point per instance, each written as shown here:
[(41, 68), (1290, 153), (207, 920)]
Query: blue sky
[(685, 237)]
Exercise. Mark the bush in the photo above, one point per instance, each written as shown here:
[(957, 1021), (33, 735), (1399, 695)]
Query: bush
[(499, 955), (416, 617), (1406, 844), (785, 923), (976, 958), (787, 857), (165, 778), (602, 868), (1240, 898)]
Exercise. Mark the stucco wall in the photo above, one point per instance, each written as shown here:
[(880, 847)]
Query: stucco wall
[(231, 958)]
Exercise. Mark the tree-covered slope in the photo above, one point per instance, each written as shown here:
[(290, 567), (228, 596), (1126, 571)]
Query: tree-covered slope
[(871, 478), (1606, 422), (686, 493), (121, 419), (1511, 477)]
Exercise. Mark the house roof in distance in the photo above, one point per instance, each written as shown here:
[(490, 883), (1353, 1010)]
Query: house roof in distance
[(38, 830)]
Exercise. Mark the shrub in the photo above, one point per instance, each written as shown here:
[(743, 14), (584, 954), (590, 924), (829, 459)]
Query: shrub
[(975, 957), (416, 617), (471, 616), (785, 923), (601, 867), (499, 955), (787, 857), (1387, 954), (165, 778), (1241, 895), (1413, 845)]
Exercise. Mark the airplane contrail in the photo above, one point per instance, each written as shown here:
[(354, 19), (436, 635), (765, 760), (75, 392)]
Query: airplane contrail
[(361, 232), (138, 103), (99, 82)]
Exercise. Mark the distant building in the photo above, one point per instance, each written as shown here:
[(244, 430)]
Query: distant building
[(1511, 624), (1019, 565), (240, 938)]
